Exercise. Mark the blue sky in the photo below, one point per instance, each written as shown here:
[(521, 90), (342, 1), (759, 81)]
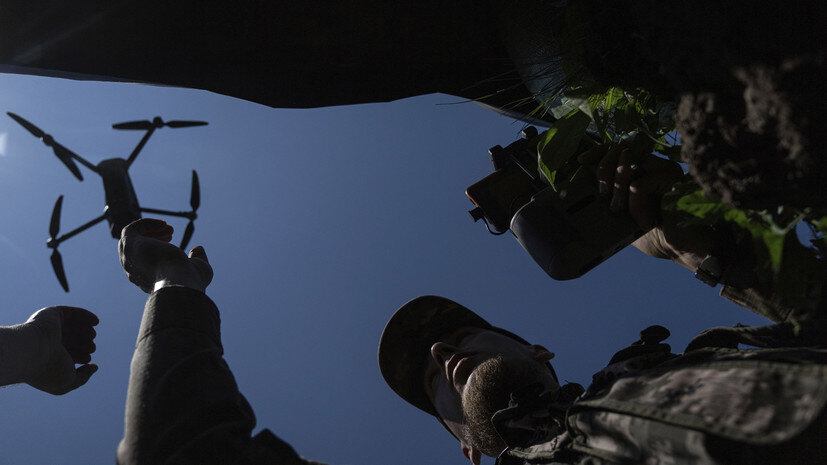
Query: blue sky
[(319, 224)]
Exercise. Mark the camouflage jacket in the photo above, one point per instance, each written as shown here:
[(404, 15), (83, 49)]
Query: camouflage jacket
[(183, 405), (711, 405)]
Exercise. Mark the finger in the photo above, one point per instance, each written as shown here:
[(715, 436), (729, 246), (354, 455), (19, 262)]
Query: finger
[(76, 315), (143, 226), (80, 350), (606, 171), (592, 156), (199, 253), (624, 172), (78, 332), (73, 333), (164, 235), (80, 346), (644, 205), (668, 169), (161, 236), (79, 356), (82, 375)]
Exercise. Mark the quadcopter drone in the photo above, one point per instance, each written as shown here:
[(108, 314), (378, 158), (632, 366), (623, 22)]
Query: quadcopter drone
[(122, 205)]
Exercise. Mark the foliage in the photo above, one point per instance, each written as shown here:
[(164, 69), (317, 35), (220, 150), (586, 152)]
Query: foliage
[(559, 144), (611, 117), (616, 118), (795, 271)]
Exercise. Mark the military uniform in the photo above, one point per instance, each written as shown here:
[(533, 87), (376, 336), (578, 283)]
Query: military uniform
[(183, 405), (711, 405)]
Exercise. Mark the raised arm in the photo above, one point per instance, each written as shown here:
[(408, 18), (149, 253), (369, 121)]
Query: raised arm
[(183, 405), (637, 186)]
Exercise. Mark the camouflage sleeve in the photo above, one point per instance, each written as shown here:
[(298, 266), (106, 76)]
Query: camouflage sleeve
[(183, 404), (762, 303)]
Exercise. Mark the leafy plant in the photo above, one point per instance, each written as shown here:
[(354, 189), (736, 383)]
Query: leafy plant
[(617, 118), (795, 272), (611, 117)]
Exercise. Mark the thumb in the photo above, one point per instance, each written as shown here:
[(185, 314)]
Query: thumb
[(199, 253), (82, 375)]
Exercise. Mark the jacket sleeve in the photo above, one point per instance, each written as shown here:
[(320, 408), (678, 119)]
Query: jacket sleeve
[(759, 301), (183, 405)]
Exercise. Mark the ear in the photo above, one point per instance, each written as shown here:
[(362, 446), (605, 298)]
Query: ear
[(471, 454), (541, 354)]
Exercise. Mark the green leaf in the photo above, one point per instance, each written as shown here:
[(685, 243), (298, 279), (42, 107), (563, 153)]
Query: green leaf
[(700, 206), (775, 248), (612, 97), (821, 225), (669, 201), (596, 101), (625, 117), (560, 142), (771, 240), (550, 175)]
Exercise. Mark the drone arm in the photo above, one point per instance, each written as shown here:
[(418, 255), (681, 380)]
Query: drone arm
[(140, 146), (84, 162), (190, 215), (53, 243)]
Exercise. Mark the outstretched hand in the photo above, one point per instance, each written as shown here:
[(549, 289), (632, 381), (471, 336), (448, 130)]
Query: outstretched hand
[(636, 184), (66, 337), (149, 259)]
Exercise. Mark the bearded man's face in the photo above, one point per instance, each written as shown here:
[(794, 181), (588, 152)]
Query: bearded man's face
[(470, 376)]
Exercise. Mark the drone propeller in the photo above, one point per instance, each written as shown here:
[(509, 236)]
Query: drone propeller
[(195, 202), (57, 260), (195, 194), (187, 234), (133, 125), (157, 122), (63, 154), (57, 265), (36, 131), (185, 124), (54, 224)]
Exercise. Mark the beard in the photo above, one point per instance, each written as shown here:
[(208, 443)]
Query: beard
[(488, 391)]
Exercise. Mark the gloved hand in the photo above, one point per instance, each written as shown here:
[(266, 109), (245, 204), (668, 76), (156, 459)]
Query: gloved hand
[(636, 184), (151, 262), (64, 336)]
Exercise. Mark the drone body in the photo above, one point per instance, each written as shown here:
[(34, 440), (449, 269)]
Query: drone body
[(122, 205)]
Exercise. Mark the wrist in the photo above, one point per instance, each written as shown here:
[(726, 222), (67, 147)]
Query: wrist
[(22, 352), (178, 273)]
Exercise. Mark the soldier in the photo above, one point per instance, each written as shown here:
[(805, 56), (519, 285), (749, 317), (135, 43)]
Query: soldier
[(183, 405), (498, 395)]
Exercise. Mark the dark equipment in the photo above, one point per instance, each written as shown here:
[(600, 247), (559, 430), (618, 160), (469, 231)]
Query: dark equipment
[(567, 232), (122, 205)]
